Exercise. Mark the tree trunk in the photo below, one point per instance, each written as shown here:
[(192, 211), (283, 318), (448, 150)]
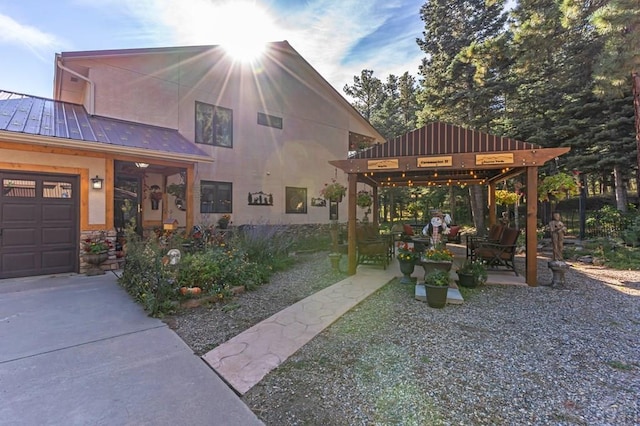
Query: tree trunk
[(478, 207), (621, 192)]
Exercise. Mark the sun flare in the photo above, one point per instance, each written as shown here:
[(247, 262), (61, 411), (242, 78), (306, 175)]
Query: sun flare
[(246, 28)]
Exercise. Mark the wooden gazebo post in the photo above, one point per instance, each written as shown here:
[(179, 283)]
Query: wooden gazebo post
[(531, 260), (491, 201), (351, 222)]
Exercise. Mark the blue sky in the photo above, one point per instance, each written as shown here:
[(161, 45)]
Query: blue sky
[(338, 38)]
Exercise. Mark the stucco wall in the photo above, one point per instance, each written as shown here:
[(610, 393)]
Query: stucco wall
[(161, 90)]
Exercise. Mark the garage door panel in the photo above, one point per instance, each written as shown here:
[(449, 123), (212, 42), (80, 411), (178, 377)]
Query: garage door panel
[(57, 212), (13, 263), (57, 236), (19, 238), (19, 213), (57, 259)]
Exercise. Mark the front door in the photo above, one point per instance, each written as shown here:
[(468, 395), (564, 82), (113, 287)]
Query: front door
[(39, 222), (127, 203)]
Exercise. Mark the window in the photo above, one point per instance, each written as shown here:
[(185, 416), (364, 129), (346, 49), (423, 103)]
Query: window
[(19, 188), (214, 125), (269, 120), (215, 197), (56, 189)]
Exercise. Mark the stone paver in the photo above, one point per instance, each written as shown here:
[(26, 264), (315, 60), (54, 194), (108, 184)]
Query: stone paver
[(246, 358)]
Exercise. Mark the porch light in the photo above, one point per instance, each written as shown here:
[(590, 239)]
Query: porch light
[(142, 165), (96, 182)]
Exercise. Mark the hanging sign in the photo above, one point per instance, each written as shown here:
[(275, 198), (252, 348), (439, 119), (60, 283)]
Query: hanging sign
[(442, 161), (489, 159), (382, 164)]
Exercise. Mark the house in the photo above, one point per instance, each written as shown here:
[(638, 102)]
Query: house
[(184, 133)]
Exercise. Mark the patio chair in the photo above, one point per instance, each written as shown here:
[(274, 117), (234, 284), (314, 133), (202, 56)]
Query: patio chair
[(495, 233), (499, 254), (372, 249)]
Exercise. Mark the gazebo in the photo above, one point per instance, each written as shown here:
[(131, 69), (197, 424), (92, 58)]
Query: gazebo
[(443, 154)]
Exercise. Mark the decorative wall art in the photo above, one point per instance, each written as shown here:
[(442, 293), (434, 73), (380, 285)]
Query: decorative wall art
[(295, 200), (318, 202), (260, 199)]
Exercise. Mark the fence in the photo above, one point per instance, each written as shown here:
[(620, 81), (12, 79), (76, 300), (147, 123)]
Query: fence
[(594, 226)]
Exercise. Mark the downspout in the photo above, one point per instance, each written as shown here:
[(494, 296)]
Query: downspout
[(92, 88)]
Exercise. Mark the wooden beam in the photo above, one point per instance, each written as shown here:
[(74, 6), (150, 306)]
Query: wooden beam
[(374, 208), (351, 223), (465, 161), (189, 195), (531, 252)]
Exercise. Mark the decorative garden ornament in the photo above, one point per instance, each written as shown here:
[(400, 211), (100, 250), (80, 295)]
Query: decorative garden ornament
[(174, 256)]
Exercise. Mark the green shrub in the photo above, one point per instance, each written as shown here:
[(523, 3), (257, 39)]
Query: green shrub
[(267, 245), (145, 278)]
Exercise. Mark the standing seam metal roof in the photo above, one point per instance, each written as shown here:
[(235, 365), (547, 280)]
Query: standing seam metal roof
[(46, 117)]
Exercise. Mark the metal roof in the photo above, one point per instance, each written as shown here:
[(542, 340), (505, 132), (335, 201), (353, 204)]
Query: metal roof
[(440, 139), (46, 117)]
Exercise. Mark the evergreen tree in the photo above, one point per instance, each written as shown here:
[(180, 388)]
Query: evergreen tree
[(461, 80), (367, 93)]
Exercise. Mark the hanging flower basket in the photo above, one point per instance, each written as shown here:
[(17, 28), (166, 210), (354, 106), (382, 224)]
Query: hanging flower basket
[(364, 199), (333, 191)]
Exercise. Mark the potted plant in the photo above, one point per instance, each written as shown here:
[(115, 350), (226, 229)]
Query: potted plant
[(224, 220), (472, 273), (407, 258), (364, 199), (437, 257), (95, 251), (436, 284), (333, 191)]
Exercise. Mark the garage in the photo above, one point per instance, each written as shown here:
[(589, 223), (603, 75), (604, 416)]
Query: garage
[(39, 224)]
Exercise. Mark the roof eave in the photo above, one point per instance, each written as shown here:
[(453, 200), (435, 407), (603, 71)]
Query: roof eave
[(100, 147)]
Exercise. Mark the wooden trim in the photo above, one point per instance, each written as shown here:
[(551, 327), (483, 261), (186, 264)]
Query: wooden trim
[(491, 201), (49, 149), (109, 178), (189, 195), (531, 258), (460, 161), (83, 191), (352, 217)]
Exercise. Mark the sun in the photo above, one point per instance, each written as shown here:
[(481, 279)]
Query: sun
[(246, 28)]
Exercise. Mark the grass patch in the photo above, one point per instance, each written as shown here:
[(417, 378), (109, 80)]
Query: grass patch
[(619, 365)]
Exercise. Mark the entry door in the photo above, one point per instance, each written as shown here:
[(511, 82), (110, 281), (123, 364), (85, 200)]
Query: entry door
[(127, 203), (39, 223)]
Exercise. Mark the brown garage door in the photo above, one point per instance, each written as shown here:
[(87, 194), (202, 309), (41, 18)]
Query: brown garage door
[(38, 224)]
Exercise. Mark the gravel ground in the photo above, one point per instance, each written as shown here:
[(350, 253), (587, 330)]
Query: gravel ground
[(507, 356)]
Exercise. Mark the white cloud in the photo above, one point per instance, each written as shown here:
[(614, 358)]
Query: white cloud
[(324, 32), (35, 40)]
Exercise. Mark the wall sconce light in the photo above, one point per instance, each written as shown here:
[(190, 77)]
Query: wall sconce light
[(96, 182), (142, 165)]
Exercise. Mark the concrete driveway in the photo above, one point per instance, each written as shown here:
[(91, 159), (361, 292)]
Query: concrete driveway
[(76, 350)]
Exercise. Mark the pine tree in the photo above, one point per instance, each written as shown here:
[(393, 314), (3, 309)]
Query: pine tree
[(461, 80)]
